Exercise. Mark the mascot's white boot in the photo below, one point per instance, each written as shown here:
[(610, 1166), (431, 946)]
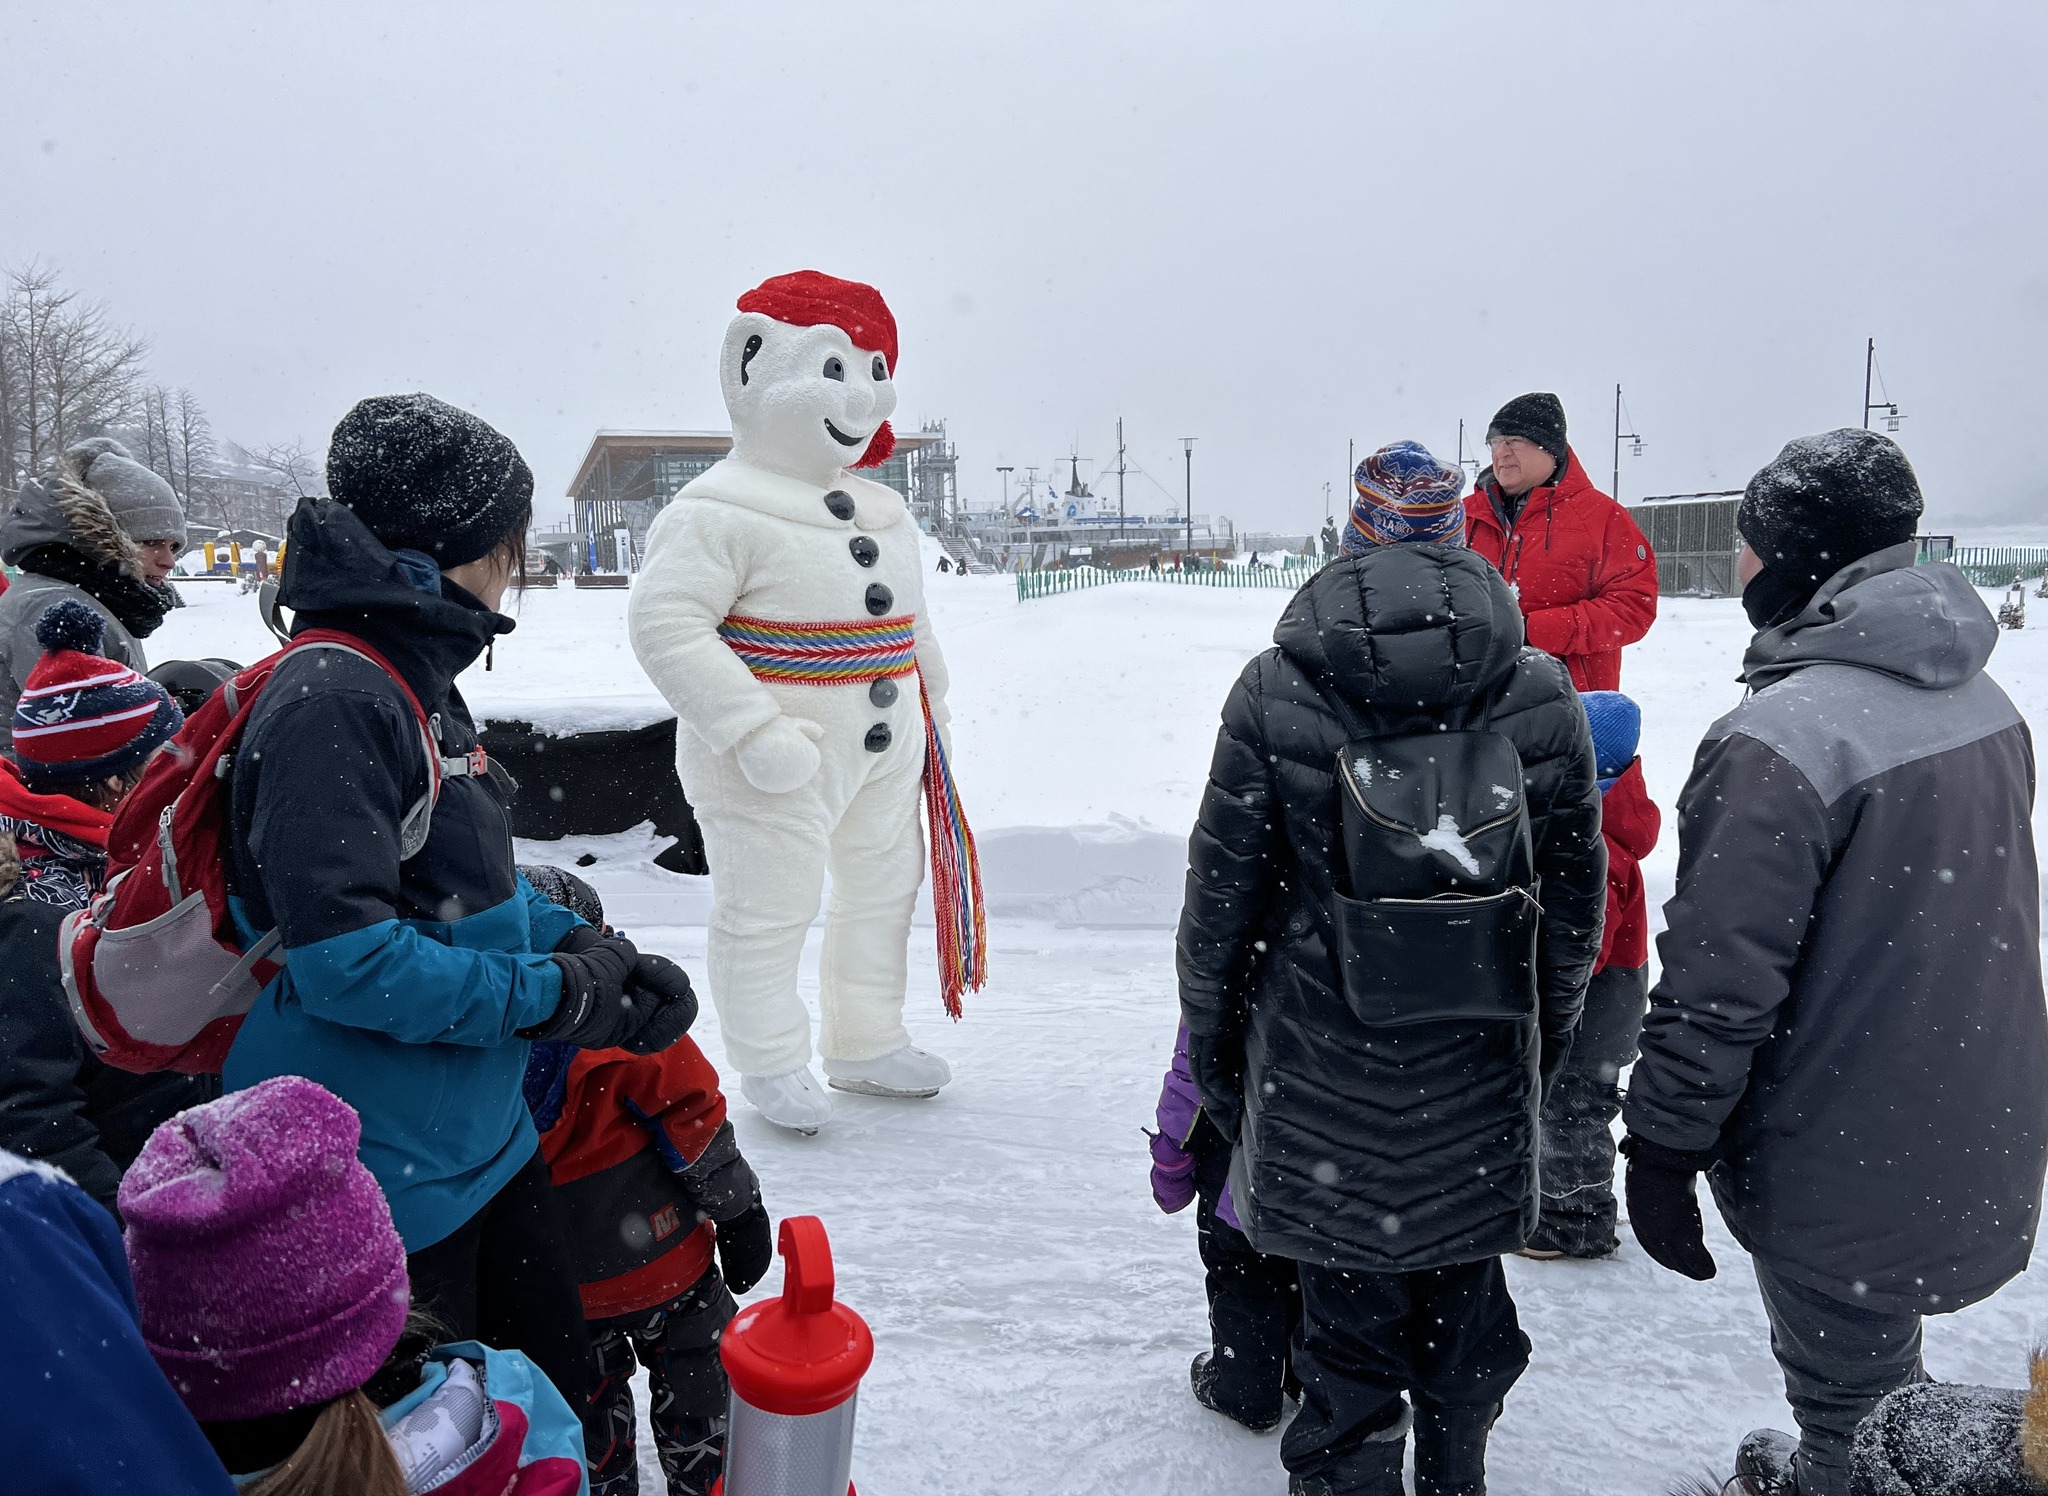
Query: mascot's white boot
[(795, 1101), (781, 612)]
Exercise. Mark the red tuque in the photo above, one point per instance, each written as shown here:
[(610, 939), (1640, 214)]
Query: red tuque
[(810, 298)]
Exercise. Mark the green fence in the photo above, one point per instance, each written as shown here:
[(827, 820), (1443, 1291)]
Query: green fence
[(2000, 565), (1290, 573)]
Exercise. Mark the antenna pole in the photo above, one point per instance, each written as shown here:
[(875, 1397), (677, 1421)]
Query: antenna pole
[(1119, 480), (1869, 358), (1615, 486), (1187, 444)]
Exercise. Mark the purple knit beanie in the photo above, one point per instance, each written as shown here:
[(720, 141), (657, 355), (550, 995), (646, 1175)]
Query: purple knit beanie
[(266, 1267)]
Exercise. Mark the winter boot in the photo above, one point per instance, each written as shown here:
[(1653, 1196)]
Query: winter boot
[(1450, 1447), (1374, 1470), (1763, 1465), (907, 1072), (795, 1101), (1206, 1377)]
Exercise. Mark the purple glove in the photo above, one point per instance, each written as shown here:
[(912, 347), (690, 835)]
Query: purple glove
[(1173, 1167), (1173, 1174)]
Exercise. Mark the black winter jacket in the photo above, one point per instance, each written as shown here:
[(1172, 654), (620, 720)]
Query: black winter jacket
[(1384, 1149), (58, 1101)]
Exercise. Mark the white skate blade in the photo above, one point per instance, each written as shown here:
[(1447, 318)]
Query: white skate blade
[(907, 1074), (794, 1101)]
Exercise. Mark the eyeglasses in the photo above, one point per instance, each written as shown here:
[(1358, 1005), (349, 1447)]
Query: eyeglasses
[(1502, 443)]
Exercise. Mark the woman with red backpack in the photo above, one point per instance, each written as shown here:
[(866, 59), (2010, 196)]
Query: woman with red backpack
[(366, 831)]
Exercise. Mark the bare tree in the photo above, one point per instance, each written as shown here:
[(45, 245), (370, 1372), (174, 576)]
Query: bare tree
[(65, 370), (260, 486)]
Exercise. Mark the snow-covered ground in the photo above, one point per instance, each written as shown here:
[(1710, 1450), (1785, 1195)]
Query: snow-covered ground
[(1034, 1313)]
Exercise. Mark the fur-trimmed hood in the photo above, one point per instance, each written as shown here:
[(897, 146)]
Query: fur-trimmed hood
[(60, 508)]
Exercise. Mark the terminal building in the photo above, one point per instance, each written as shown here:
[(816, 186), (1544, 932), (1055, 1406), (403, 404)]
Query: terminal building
[(628, 477)]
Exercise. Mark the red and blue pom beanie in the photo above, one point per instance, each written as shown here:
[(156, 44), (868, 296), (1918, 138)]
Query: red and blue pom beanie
[(83, 717), (1404, 496)]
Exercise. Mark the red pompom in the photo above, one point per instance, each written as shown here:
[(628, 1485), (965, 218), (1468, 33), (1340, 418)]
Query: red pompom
[(879, 448), (809, 298)]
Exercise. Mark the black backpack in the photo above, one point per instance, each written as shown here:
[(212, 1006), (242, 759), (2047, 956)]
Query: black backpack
[(1436, 904)]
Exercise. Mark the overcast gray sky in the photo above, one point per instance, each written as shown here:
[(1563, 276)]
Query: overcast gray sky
[(1273, 227)]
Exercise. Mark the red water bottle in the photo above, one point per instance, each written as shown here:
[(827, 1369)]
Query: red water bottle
[(795, 1364)]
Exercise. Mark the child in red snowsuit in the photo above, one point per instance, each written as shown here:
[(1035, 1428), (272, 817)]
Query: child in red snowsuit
[(648, 1181), (1578, 1139)]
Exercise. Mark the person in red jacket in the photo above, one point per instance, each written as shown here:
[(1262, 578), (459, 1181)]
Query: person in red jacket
[(1583, 572), (1578, 1116), (649, 1181)]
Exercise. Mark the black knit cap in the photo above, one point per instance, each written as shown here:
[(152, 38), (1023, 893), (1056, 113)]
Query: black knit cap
[(1828, 500), (425, 476), (1538, 418)]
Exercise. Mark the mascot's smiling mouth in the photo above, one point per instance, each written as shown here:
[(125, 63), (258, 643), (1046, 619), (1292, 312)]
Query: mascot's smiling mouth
[(842, 438)]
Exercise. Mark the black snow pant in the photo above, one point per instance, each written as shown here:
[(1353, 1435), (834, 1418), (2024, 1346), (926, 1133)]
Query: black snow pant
[(1578, 1117), (1839, 1361), (1446, 1336), (504, 1277), (1254, 1299), (678, 1344)]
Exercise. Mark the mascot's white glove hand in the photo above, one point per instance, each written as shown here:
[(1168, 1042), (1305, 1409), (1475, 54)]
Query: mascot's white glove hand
[(781, 754)]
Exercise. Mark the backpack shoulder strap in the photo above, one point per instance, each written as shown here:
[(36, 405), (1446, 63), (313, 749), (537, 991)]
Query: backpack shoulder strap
[(418, 820)]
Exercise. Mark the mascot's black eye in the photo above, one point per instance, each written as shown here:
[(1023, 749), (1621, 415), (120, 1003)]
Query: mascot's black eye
[(747, 355), (834, 369), (881, 370)]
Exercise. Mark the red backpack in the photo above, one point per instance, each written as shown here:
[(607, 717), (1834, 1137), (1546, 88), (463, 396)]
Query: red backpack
[(154, 968)]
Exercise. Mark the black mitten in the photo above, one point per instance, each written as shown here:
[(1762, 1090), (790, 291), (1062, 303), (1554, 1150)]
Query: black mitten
[(746, 1247), (593, 1013), (1663, 1211), (659, 991)]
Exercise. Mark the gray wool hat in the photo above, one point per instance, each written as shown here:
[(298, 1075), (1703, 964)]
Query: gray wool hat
[(142, 503)]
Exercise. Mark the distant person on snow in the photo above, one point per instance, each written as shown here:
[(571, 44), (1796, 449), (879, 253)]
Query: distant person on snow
[(98, 527), (1848, 1035), (83, 729), (1578, 1115), (417, 964), (1578, 565), (1384, 1107), (1254, 1299)]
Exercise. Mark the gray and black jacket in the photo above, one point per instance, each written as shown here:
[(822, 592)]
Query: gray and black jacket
[(1850, 1015)]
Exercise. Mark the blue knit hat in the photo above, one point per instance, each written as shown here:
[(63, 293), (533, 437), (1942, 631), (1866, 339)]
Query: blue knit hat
[(1617, 724), (1404, 496), (81, 716)]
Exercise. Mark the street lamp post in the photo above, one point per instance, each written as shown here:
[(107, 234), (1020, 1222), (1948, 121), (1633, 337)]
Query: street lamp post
[(1888, 406), (1619, 437), (1187, 446)]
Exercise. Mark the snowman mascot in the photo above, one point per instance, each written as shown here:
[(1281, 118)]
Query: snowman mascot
[(781, 612)]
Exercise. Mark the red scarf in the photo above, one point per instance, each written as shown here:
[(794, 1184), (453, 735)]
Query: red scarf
[(58, 812)]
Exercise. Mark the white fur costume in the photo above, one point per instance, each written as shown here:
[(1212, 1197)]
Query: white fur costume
[(781, 776)]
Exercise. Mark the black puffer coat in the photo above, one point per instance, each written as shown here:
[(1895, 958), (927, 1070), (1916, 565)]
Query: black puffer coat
[(1384, 1149)]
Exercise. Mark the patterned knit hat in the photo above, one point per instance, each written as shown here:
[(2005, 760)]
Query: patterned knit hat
[(267, 1270), (1404, 496), (81, 716), (1617, 724)]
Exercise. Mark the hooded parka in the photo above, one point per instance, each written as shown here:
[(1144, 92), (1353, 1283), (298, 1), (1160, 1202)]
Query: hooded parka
[(405, 980), (63, 535), (1578, 565), (1850, 1014), (1381, 1149)]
